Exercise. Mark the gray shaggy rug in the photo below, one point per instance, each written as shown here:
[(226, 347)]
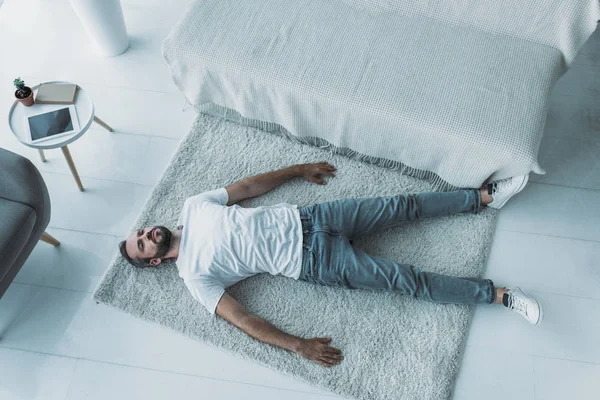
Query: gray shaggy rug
[(395, 347)]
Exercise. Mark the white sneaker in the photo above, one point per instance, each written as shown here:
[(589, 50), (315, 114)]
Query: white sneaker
[(527, 306), (503, 190)]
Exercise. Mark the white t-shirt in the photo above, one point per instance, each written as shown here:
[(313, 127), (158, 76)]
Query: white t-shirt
[(222, 245)]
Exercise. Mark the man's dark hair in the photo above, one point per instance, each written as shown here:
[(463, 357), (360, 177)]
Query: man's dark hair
[(140, 263)]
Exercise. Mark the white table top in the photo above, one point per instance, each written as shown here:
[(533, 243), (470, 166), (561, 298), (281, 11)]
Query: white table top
[(85, 114)]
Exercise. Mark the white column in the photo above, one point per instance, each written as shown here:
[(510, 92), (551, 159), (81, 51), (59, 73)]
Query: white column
[(103, 20)]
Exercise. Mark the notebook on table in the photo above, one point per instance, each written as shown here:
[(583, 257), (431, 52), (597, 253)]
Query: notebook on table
[(56, 93)]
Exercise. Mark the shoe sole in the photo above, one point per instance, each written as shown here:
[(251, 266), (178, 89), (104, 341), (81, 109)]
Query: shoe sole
[(541, 317), (518, 190)]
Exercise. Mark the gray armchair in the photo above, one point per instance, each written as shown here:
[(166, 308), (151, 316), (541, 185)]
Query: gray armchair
[(24, 212)]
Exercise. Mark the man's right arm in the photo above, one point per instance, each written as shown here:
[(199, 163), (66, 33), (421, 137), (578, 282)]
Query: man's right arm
[(316, 349)]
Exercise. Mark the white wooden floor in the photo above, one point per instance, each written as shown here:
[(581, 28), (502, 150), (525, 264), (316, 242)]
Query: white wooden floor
[(62, 345)]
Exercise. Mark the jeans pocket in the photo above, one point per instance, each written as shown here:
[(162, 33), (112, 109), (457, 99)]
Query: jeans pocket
[(308, 263)]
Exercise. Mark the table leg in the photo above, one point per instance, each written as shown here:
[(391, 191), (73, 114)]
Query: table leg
[(67, 155), (42, 156), (103, 124), (48, 238)]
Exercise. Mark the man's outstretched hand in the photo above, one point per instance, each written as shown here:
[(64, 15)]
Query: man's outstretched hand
[(317, 171), (318, 350)]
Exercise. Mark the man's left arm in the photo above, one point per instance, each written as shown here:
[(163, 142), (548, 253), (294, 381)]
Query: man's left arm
[(256, 185)]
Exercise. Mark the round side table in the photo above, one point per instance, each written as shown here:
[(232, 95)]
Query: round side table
[(85, 115)]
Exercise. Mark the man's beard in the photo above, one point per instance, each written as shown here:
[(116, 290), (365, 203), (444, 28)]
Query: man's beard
[(163, 243)]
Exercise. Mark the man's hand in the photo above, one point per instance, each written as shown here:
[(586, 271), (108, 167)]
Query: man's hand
[(314, 349), (315, 172), (318, 350), (259, 184)]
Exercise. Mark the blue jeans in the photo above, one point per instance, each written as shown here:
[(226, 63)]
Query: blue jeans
[(329, 258)]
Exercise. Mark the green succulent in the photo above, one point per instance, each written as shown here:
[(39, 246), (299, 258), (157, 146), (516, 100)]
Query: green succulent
[(19, 83)]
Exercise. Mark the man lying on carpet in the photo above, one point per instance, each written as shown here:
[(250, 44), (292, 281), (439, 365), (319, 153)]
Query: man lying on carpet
[(219, 243)]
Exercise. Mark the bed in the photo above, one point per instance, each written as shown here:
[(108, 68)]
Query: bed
[(451, 91)]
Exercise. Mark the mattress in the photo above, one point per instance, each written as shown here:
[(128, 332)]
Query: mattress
[(453, 91)]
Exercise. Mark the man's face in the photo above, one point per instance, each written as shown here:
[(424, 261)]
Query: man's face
[(151, 242)]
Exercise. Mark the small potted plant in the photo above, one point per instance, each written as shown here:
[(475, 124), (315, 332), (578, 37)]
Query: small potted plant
[(23, 93)]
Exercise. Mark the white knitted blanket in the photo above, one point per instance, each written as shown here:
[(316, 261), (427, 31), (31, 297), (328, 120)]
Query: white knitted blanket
[(453, 90)]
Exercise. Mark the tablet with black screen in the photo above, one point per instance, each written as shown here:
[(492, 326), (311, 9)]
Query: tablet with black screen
[(51, 124)]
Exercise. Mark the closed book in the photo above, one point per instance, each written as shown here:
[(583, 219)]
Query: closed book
[(56, 93)]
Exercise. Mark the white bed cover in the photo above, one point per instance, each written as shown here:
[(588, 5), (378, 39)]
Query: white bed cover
[(452, 90)]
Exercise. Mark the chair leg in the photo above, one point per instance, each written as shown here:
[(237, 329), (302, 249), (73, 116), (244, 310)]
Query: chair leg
[(46, 237), (42, 156)]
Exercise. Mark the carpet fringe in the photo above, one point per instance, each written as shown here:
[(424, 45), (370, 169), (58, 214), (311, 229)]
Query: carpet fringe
[(218, 111)]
